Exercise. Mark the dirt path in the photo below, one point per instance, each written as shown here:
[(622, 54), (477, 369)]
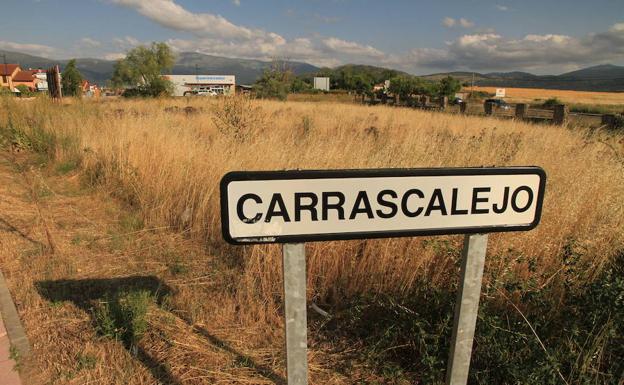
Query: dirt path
[(66, 249)]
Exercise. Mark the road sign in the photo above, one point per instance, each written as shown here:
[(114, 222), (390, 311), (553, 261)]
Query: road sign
[(500, 92), (303, 206), (298, 206)]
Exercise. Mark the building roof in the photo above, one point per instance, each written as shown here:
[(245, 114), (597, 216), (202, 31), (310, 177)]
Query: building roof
[(24, 76), (8, 69)]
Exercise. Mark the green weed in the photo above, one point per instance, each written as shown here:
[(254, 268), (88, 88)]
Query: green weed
[(123, 317), (85, 362)]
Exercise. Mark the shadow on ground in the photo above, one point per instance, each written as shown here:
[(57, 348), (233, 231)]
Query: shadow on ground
[(84, 292), (8, 227), (241, 358)]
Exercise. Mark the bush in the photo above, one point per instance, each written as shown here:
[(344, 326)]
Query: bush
[(123, 317), (583, 332), (157, 88), (550, 103), (24, 90)]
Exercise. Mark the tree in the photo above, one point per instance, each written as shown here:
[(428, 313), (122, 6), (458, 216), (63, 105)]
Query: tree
[(71, 81), (448, 86), (362, 85), (299, 85), (275, 82), (142, 69), (404, 86)]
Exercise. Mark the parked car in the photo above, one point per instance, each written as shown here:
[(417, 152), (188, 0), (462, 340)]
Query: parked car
[(456, 101), (498, 103), (200, 93)]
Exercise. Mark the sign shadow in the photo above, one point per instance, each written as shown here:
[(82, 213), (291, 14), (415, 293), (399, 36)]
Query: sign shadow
[(84, 292)]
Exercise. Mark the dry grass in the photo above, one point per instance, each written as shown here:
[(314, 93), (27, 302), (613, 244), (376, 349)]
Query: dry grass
[(528, 95), (167, 162)]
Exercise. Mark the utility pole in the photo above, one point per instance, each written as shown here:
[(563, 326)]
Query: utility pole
[(5, 67), (472, 85)]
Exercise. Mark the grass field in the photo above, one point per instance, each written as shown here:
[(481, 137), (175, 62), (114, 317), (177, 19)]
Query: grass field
[(161, 161), (530, 95)]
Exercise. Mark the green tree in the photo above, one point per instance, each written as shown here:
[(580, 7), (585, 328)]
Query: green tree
[(275, 82), (362, 85), (299, 85), (448, 86), (142, 70), (71, 81), (404, 86)]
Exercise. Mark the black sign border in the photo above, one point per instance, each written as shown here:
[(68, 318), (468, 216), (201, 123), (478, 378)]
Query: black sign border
[(375, 173)]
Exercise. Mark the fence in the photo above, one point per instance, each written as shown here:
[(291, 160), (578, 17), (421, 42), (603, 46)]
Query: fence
[(53, 76), (558, 114)]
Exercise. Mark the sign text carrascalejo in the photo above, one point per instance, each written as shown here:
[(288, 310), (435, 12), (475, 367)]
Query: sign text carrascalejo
[(302, 206)]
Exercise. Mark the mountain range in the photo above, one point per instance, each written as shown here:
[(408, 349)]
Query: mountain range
[(604, 77), (99, 70)]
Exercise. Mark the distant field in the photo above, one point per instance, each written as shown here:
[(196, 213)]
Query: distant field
[(571, 97)]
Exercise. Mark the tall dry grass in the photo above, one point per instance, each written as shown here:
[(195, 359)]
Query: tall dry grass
[(528, 95), (168, 162)]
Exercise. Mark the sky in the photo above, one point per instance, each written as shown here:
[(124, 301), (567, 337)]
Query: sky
[(420, 37)]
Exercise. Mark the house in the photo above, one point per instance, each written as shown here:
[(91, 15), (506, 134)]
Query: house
[(90, 90), (382, 86), (42, 84), (27, 78), (7, 72)]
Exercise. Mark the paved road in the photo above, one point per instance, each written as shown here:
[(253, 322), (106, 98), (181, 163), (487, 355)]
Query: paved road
[(8, 376)]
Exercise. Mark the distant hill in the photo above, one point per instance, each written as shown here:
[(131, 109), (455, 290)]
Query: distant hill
[(246, 71), (375, 72), (606, 77), (95, 70), (99, 71)]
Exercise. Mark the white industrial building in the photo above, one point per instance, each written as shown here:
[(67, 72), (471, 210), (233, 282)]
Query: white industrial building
[(202, 84), (321, 83)]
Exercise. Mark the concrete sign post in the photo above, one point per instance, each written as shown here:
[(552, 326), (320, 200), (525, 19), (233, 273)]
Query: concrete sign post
[(295, 313), (293, 207), (466, 308)]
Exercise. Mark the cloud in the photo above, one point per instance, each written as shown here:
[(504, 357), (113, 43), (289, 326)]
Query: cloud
[(89, 43), (494, 52), (466, 23), (114, 56), (351, 48), (126, 42), (236, 2), (171, 15), (448, 22), (502, 8), (35, 49), (214, 34), (615, 28), (483, 49)]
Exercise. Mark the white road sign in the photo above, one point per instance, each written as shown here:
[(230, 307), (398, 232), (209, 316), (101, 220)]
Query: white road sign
[(500, 92), (301, 206)]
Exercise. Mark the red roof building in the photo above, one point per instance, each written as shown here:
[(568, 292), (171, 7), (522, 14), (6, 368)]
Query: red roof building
[(26, 78), (7, 72)]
